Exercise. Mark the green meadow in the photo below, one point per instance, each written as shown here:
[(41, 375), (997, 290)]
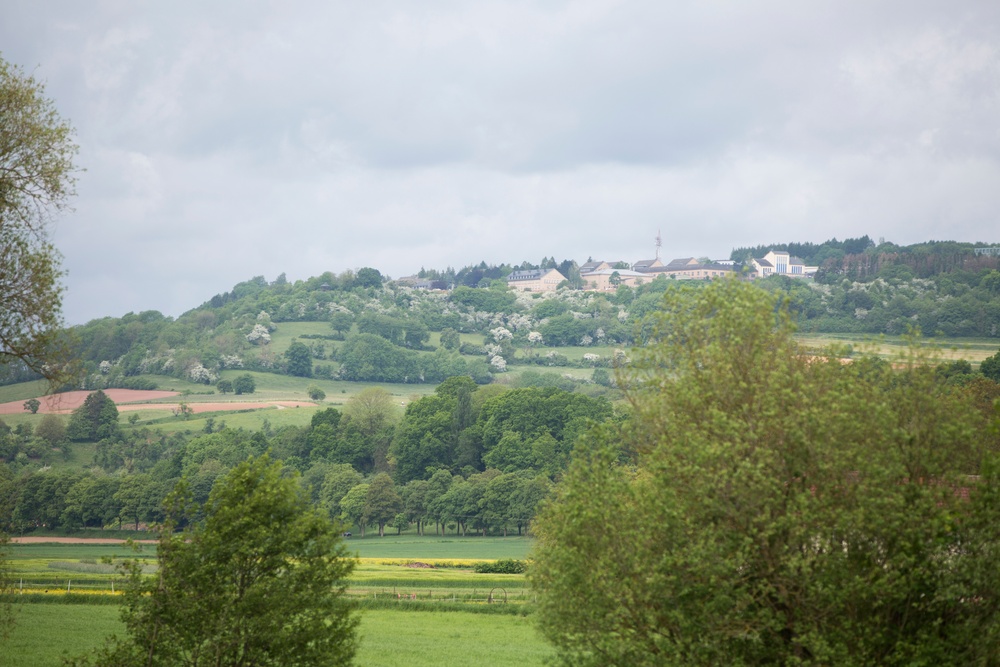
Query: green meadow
[(47, 632), (410, 615)]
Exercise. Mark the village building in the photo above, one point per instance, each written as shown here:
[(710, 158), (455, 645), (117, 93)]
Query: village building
[(535, 280), (781, 263), (608, 280), (647, 264), (689, 268)]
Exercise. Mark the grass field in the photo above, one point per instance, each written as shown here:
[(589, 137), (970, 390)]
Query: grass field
[(414, 635), (46, 632), (973, 350), (383, 569)]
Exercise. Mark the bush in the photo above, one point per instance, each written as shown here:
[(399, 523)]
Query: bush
[(502, 566)]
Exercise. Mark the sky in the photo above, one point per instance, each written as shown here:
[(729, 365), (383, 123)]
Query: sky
[(225, 140)]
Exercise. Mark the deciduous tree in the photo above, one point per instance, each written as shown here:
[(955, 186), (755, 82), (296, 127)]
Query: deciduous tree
[(36, 183), (259, 582), (773, 508), (299, 360)]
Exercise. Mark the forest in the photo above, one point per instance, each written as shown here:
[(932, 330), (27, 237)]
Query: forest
[(519, 377)]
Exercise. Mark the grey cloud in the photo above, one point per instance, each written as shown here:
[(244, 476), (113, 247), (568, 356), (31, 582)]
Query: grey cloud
[(226, 140)]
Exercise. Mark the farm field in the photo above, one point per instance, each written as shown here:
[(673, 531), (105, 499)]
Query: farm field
[(46, 632), (973, 350), (416, 634), (443, 570)]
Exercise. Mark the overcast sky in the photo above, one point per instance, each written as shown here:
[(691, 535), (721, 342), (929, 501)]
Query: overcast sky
[(224, 140)]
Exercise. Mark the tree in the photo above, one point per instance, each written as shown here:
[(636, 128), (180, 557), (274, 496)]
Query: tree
[(244, 384), (32, 405), (368, 277), (771, 507), (259, 582), (382, 502), (96, 419), (224, 386), (6, 591), (341, 322), (352, 507), (51, 429), (315, 393), (450, 340), (990, 367), (299, 360), (36, 182)]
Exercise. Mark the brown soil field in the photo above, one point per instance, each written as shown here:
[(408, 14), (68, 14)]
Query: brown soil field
[(135, 399), (71, 400)]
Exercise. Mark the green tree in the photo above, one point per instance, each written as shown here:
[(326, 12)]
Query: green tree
[(368, 277), (299, 360), (315, 393), (773, 508), (416, 335), (96, 419), (341, 322), (353, 506), (259, 582), (51, 429), (450, 340), (36, 182), (224, 386), (382, 502), (32, 405), (990, 367), (339, 479), (244, 384), (6, 590)]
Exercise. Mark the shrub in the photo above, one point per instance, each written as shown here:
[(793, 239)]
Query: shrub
[(502, 566)]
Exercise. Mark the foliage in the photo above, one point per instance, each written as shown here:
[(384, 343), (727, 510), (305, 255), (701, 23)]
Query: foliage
[(990, 367), (244, 384), (502, 566), (36, 182), (371, 358), (299, 360), (32, 405), (96, 419), (260, 582), (765, 507), (315, 393), (6, 591)]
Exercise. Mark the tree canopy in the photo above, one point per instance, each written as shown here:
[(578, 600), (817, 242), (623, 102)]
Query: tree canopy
[(259, 582), (764, 506), (36, 182)]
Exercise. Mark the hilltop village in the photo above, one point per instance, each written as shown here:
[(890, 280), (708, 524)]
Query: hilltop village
[(606, 276)]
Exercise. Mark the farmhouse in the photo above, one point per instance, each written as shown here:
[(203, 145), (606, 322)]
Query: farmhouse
[(535, 280)]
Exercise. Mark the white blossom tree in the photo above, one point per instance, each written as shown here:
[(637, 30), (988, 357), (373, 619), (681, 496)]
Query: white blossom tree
[(259, 335)]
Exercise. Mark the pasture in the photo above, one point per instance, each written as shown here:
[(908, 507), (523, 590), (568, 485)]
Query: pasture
[(46, 632), (409, 615)]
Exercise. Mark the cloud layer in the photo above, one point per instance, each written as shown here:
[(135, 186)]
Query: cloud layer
[(227, 140)]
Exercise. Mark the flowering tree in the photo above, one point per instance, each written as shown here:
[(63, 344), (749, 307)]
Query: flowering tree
[(534, 338), (259, 335), (501, 334)]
